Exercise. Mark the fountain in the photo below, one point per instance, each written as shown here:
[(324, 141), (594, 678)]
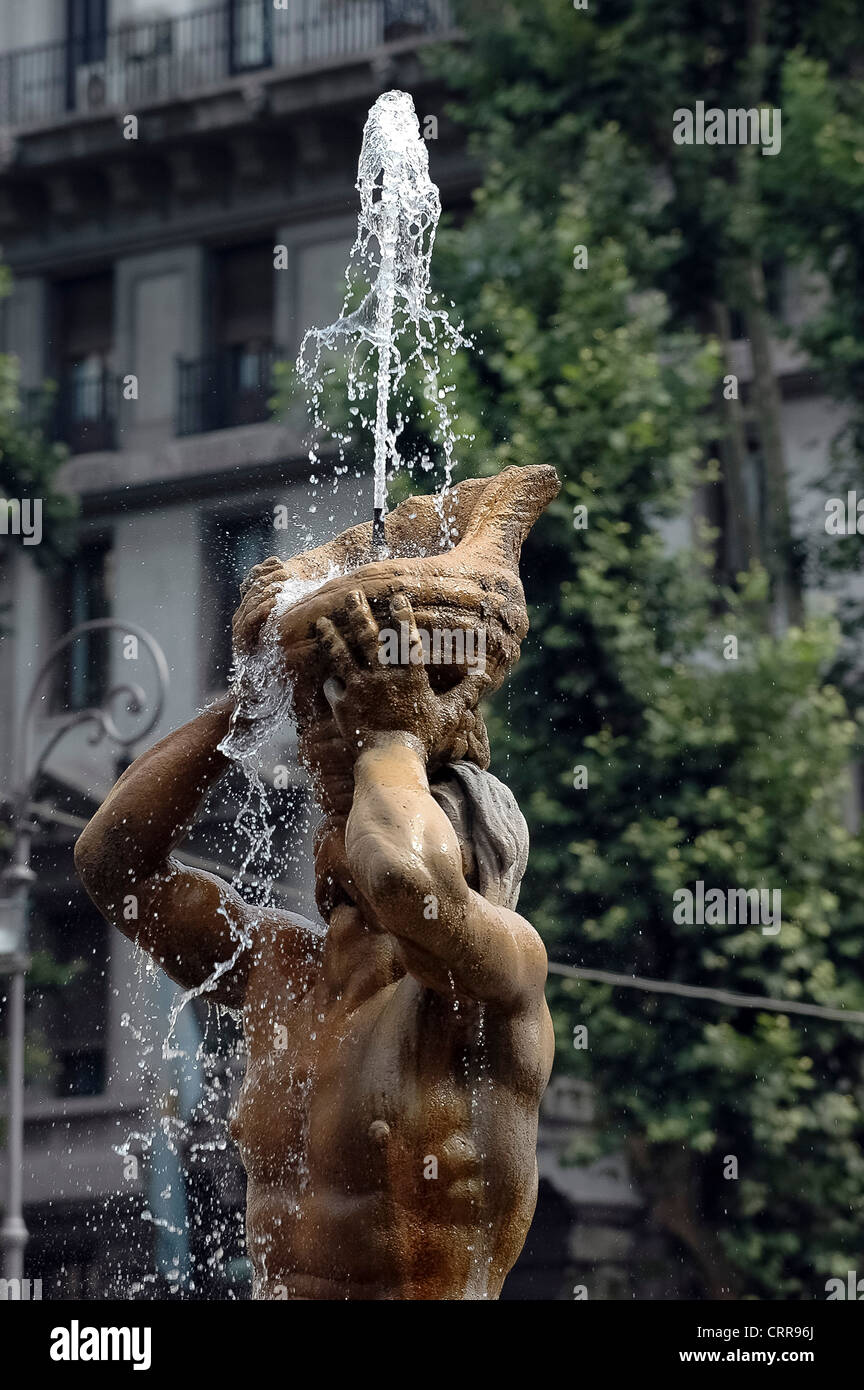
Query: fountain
[(396, 1054)]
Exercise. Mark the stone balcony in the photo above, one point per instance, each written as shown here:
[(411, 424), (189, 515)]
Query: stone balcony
[(229, 121), (140, 64)]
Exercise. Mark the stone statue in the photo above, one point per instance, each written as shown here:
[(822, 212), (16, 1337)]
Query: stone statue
[(396, 1061)]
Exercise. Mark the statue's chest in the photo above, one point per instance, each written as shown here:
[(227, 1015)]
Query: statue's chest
[(270, 1120), (341, 1090)]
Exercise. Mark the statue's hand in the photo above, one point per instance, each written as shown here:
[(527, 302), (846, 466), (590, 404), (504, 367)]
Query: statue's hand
[(369, 698), (257, 596)]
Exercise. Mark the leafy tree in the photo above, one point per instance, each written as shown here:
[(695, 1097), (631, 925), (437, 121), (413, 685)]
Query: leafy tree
[(698, 767), (814, 209), (540, 78), (29, 463)]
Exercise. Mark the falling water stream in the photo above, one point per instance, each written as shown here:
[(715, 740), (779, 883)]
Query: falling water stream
[(391, 322)]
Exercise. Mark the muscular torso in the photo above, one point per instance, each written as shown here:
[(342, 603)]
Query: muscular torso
[(387, 1120), (389, 1136)]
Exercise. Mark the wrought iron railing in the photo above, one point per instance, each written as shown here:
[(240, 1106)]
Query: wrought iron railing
[(231, 386), (80, 412), (136, 64)]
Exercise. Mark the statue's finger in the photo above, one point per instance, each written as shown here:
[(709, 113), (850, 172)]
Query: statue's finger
[(245, 612), (272, 562), (469, 691), (258, 572), (333, 645), (362, 627), (257, 598), (400, 608), (264, 609)]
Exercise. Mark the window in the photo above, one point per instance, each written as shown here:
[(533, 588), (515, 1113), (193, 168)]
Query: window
[(87, 30), (405, 17), (243, 330), (250, 34), (69, 995), (233, 544), (86, 402), (86, 590), (233, 384), (243, 279), (86, 44), (85, 390)]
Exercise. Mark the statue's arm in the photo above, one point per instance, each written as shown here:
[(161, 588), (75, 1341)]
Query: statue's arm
[(189, 921), (405, 859)]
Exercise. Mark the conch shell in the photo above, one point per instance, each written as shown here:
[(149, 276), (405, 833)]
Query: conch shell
[(472, 584)]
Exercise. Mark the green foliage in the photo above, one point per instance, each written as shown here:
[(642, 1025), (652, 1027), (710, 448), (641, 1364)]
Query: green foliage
[(45, 976), (729, 771), (29, 465), (815, 207)]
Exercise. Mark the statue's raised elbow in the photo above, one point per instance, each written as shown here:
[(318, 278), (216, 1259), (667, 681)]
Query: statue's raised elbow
[(91, 861), (83, 854)]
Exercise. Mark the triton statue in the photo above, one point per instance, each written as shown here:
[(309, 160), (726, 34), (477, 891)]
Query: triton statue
[(396, 1061)]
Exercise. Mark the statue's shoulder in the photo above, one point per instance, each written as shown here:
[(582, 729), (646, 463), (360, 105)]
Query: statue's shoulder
[(286, 933)]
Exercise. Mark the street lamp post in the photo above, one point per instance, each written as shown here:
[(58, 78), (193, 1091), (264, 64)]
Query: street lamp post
[(18, 877)]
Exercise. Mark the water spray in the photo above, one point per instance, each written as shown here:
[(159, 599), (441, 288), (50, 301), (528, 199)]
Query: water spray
[(397, 317)]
